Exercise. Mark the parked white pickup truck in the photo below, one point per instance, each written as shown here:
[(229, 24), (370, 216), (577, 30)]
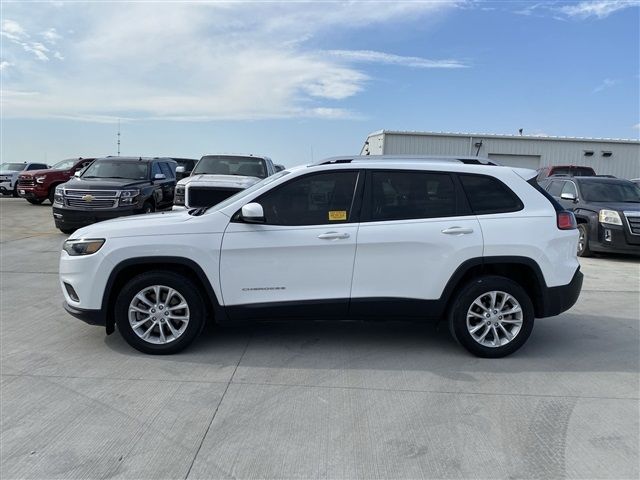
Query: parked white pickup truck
[(217, 177)]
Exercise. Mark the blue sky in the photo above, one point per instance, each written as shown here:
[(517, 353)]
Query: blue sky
[(308, 79)]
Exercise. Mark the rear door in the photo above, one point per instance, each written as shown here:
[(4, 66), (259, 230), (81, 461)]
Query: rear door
[(415, 232)]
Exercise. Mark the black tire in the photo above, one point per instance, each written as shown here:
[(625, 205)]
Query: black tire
[(15, 191), (463, 302), (67, 231), (185, 287), (583, 240), (148, 207), (52, 192), (35, 201)]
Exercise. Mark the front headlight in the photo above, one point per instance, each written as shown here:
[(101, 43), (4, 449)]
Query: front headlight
[(610, 216), (82, 246), (58, 196), (40, 178), (179, 196), (128, 197)]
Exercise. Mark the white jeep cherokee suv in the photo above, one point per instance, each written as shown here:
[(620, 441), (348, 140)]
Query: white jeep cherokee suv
[(352, 237)]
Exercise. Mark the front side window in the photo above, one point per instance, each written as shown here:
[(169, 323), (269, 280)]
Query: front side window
[(555, 188), (401, 195), (132, 170), (488, 195), (316, 199), (166, 169)]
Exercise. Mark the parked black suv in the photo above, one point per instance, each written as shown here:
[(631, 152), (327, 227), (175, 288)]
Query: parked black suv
[(607, 211), (114, 187)]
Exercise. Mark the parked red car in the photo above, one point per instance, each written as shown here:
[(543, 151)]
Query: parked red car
[(567, 170), (40, 185)]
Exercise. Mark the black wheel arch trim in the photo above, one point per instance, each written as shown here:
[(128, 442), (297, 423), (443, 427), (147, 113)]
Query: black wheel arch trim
[(211, 298)]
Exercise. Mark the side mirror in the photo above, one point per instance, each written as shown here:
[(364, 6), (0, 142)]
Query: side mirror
[(252, 213), (568, 196), (179, 169), (160, 176), (78, 173)]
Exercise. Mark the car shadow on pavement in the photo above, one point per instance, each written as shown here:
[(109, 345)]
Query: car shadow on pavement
[(567, 343)]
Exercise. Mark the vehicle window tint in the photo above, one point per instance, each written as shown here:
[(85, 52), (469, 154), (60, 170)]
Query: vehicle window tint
[(166, 169), (155, 169), (489, 195), (401, 195), (37, 166), (315, 199), (569, 187), (555, 188)]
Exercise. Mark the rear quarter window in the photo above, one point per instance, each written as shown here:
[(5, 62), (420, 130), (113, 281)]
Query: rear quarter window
[(489, 195)]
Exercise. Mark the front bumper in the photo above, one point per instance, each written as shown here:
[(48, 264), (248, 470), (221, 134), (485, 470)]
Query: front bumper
[(32, 192), (560, 299), (92, 317), (67, 218), (6, 188), (614, 239)]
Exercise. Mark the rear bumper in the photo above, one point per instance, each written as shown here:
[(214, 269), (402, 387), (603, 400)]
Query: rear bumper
[(562, 298), (92, 317)]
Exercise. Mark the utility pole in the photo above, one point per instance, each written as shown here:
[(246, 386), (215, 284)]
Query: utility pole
[(118, 137)]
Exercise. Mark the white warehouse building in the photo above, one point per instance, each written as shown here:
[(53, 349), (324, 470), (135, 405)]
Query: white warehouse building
[(606, 156)]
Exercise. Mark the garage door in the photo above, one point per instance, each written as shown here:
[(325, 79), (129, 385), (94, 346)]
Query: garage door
[(523, 161)]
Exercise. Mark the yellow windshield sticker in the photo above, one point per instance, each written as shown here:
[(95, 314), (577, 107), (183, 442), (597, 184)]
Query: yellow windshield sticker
[(337, 215)]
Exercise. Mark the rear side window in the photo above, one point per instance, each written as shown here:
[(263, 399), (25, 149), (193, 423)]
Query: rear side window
[(489, 195), (402, 195)]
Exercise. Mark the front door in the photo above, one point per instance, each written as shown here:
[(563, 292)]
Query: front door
[(300, 261)]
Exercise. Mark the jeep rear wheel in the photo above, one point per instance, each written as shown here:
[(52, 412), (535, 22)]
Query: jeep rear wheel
[(492, 317), (159, 312)]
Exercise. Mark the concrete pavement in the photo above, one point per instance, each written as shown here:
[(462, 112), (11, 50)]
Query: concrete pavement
[(311, 400)]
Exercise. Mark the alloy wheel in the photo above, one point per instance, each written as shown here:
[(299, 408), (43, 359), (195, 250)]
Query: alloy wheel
[(494, 319), (158, 314)]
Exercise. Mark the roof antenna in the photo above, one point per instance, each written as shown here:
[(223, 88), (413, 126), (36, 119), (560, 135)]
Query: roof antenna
[(118, 137)]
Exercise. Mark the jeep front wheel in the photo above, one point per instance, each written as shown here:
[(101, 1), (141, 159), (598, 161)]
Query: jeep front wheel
[(159, 312), (492, 317)]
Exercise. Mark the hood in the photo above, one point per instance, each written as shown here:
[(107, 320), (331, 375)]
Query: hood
[(619, 206), (154, 224), (223, 181), (33, 173), (10, 172), (104, 183)]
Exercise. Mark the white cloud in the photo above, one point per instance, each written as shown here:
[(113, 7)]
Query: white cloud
[(606, 83), (4, 65), (636, 126), (16, 34), (12, 30), (51, 36), (597, 8), (189, 61), (391, 59)]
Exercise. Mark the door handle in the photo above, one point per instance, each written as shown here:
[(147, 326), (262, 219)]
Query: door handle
[(457, 231), (333, 236)]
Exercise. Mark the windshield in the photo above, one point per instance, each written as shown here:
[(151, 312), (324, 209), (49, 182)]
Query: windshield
[(117, 169), (14, 167), (248, 191), (610, 192), (65, 164), (231, 165)]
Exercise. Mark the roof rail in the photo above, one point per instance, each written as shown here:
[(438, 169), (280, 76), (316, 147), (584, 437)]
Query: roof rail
[(406, 158)]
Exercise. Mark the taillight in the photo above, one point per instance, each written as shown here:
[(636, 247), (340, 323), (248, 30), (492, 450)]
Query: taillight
[(566, 220)]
